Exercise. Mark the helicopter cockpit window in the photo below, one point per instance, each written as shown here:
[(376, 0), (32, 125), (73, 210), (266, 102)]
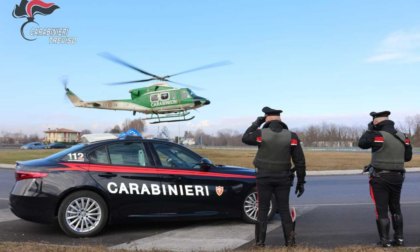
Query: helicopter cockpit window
[(173, 94), (192, 93), (154, 97), (164, 96), (185, 94)]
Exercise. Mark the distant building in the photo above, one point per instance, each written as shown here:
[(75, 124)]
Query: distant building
[(188, 141), (62, 135)]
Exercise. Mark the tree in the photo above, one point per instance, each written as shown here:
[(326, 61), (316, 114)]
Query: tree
[(166, 131), (33, 138), (137, 124), (85, 131), (116, 129)]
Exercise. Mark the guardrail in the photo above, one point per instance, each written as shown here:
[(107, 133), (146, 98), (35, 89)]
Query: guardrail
[(349, 149), (10, 146)]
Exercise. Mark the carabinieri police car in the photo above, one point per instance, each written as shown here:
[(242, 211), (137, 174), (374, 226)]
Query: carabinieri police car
[(123, 179)]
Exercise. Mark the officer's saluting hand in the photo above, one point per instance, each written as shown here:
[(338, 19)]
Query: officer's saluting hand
[(276, 146)]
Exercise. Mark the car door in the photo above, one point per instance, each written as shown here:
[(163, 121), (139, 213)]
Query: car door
[(187, 189), (125, 171)]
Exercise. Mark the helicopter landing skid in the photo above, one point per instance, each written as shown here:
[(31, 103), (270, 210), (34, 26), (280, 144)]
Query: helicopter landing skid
[(183, 114), (180, 120)]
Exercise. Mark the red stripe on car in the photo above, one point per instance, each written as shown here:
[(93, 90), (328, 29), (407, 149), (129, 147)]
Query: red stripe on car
[(143, 170)]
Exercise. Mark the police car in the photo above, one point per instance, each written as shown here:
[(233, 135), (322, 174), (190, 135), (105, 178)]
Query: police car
[(130, 178)]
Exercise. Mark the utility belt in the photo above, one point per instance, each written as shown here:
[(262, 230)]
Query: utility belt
[(376, 173), (290, 172)]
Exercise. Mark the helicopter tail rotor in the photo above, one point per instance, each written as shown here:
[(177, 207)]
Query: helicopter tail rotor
[(65, 82)]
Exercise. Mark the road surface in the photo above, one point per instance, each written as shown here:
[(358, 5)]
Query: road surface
[(334, 211)]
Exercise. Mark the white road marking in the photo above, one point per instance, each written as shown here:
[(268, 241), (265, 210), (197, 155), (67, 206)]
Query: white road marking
[(348, 204), (7, 215), (220, 235)]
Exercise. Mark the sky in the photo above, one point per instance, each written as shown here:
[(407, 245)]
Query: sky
[(318, 61)]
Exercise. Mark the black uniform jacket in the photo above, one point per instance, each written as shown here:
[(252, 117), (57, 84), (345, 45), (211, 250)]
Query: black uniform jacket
[(252, 136), (372, 138)]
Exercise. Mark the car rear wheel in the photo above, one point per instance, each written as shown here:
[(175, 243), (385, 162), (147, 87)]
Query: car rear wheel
[(83, 214), (250, 207)]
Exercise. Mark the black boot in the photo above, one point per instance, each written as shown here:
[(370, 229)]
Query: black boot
[(289, 234), (383, 230), (397, 225), (260, 232)]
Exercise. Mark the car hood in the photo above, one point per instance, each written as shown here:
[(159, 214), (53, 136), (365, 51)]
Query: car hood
[(236, 170)]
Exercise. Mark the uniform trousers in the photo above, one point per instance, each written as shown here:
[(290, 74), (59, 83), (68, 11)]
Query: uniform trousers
[(280, 187), (386, 193)]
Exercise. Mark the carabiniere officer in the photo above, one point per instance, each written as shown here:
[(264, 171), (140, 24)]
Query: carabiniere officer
[(276, 147), (390, 149)]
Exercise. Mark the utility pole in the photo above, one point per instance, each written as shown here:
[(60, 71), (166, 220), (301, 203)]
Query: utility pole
[(201, 135), (179, 130)]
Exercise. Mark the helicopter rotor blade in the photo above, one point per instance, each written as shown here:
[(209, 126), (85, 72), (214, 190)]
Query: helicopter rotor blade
[(129, 82), (217, 64), (185, 85), (121, 62), (65, 81)]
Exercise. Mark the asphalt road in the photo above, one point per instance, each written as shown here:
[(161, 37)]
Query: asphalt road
[(334, 211)]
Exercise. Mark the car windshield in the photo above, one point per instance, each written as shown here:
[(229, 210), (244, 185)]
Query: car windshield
[(67, 151)]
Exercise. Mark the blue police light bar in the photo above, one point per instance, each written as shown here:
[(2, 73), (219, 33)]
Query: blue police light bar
[(129, 133)]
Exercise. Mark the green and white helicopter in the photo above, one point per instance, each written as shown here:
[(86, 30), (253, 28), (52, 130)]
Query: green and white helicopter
[(159, 100)]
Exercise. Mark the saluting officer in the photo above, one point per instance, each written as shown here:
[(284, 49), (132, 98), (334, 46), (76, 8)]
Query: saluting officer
[(390, 149), (276, 145)]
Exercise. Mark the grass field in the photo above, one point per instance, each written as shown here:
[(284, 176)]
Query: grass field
[(316, 161), (33, 247)]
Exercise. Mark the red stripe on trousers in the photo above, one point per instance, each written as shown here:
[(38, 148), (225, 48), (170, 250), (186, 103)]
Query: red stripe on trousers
[(373, 199), (258, 200)]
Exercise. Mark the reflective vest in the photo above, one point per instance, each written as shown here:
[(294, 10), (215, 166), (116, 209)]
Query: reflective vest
[(274, 151), (391, 155)]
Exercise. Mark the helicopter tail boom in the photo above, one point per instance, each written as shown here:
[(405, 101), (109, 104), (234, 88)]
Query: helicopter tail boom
[(74, 98)]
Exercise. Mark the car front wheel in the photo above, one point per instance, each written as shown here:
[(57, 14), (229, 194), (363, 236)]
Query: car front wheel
[(83, 214), (250, 207)]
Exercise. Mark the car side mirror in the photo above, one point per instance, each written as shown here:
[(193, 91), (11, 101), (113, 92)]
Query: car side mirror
[(205, 164)]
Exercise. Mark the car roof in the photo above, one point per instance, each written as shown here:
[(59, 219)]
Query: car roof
[(129, 139)]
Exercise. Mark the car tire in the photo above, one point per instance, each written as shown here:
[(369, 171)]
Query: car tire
[(250, 207), (83, 220)]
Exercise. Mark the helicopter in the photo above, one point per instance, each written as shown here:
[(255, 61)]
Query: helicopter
[(161, 101)]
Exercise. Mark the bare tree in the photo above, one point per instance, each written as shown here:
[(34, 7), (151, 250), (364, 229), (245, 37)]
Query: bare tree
[(85, 131), (166, 131), (116, 129), (137, 124)]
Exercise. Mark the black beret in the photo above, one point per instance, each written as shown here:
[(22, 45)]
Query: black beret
[(380, 114), (270, 111)]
